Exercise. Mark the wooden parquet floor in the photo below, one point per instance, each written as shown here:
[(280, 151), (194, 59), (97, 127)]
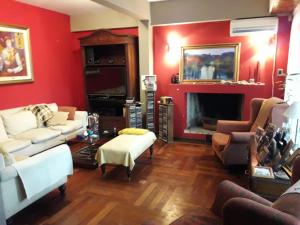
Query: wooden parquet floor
[(181, 177)]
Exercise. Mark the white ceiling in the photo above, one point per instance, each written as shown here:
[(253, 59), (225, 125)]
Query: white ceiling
[(69, 7)]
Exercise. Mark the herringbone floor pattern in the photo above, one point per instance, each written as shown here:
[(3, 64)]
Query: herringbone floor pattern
[(181, 177)]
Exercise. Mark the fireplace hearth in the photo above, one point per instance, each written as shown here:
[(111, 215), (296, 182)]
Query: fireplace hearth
[(204, 109)]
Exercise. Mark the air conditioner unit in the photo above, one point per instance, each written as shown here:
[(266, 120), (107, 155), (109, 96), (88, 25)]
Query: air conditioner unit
[(244, 27)]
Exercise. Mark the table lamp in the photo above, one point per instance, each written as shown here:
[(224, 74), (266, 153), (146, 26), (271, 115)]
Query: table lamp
[(293, 112)]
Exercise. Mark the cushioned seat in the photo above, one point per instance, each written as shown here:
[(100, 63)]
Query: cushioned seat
[(38, 135), (70, 126), (12, 145), (231, 140)]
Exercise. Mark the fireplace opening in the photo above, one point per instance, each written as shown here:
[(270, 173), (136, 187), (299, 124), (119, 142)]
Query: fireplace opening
[(204, 109)]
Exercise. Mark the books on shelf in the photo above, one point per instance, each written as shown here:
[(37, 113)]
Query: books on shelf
[(134, 115)]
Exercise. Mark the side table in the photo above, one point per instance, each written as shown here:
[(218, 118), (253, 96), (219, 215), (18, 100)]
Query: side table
[(270, 188)]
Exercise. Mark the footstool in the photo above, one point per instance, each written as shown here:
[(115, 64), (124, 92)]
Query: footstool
[(124, 149)]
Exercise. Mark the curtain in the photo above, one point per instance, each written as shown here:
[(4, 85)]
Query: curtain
[(193, 110)]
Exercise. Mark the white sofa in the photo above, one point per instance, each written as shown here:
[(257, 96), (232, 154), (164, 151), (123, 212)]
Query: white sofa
[(47, 171), (21, 135)]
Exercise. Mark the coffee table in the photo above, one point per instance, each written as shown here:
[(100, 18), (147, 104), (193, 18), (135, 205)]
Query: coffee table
[(84, 151)]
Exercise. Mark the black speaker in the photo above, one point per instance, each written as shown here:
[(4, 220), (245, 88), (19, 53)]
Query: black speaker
[(90, 56)]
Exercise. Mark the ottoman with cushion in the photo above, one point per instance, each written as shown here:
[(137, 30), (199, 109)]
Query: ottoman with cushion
[(124, 149)]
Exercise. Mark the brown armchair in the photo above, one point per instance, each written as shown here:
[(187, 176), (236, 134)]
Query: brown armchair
[(235, 205), (231, 139)]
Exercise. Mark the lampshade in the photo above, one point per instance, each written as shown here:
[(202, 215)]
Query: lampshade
[(293, 112)]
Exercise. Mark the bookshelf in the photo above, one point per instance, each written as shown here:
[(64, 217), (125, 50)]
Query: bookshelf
[(133, 115), (166, 116), (150, 116)]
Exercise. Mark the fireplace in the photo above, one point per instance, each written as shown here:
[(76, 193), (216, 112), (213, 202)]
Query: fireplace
[(204, 109)]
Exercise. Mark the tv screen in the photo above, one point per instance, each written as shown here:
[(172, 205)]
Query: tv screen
[(106, 81)]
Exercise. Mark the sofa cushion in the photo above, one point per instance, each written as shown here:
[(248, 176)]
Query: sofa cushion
[(3, 134), (70, 109), (70, 126), (38, 135), (219, 141), (59, 118), (19, 122), (12, 145)]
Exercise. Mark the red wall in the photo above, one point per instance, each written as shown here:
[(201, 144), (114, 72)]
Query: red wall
[(213, 33), (52, 58)]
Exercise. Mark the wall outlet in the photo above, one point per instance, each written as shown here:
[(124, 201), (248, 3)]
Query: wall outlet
[(280, 72)]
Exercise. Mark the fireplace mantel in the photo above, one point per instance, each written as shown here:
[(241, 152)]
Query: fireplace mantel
[(178, 92)]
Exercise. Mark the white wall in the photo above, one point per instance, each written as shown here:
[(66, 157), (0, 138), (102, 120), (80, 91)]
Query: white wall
[(179, 11), (294, 49)]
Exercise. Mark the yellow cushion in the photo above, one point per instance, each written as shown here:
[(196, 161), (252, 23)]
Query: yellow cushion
[(134, 131)]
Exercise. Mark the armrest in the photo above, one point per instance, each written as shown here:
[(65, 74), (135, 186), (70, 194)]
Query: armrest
[(241, 137), (82, 116), (227, 126), (239, 211), (228, 190), (8, 173), (2, 162)]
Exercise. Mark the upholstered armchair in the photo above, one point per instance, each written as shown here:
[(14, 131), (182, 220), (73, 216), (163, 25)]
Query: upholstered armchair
[(235, 205), (231, 139)]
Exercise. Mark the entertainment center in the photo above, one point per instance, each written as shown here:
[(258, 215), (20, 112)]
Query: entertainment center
[(110, 72)]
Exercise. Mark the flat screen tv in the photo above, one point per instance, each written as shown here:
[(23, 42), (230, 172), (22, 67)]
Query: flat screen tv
[(108, 81)]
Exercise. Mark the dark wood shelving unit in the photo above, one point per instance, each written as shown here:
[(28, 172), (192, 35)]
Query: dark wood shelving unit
[(166, 120), (111, 75)]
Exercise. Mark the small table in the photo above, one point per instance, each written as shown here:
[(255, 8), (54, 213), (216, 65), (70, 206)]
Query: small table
[(265, 187), (84, 151)]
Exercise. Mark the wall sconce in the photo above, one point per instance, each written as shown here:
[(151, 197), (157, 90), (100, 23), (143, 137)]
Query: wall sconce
[(264, 44), (173, 48)]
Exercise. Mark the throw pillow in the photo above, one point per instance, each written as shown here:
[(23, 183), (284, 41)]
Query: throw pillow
[(133, 131), (3, 134), (19, 122), (42, 112), (59, 118), (70, 109)]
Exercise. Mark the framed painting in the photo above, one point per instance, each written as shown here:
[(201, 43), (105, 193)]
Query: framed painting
[(288, 165), (210, 63), (15, 55)]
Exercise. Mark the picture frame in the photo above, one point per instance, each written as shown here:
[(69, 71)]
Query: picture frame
[(262, 155), (210, 63), (263, 172), (288, 165), (15, 55)]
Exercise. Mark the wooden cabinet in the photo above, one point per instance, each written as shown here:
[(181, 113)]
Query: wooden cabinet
[(111, 75), (166, 122)]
